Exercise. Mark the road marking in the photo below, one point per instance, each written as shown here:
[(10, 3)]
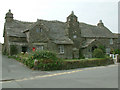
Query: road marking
[(57, 74)]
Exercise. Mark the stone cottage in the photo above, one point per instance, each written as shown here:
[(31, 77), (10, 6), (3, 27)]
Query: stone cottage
[(68, 39)]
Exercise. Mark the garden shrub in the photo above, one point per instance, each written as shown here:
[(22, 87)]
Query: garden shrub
[(117, 51), (81, 56), (102, 48), (72, 64), (98, 53), (46, 60)]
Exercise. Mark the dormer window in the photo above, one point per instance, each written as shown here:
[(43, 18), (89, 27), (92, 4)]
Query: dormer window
[(39, 30), (111, 41)]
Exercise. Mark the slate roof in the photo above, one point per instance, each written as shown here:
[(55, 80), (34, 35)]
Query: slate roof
[(95, 31), (87, 43), (57, 30), (16, 27)]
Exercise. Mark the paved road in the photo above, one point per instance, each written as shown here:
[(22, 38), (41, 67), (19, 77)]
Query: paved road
[(96, 77)]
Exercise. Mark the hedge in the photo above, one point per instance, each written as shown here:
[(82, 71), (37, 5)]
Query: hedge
[(72, 64)]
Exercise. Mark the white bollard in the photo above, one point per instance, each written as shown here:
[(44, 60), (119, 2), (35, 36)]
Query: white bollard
[(116, 57)]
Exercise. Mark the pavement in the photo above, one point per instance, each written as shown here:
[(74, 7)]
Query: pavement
[(16, 75)]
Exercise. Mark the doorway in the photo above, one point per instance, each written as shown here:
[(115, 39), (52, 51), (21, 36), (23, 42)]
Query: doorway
[(24, 49), (94, 47)]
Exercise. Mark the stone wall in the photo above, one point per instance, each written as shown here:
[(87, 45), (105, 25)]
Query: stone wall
[(17, 39), (87, 52), (38, 34), (68, 53)]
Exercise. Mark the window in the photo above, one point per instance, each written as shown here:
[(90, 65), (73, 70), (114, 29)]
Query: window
[(69, 19), (89, 50), (75, 36), (111, 41), (61, 49), (40, 47), (107, 50), (39, 30)]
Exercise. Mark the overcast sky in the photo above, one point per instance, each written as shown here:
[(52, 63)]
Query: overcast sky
[(87, 11)]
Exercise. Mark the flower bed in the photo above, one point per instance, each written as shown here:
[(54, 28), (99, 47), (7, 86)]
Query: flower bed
[(46, 61)]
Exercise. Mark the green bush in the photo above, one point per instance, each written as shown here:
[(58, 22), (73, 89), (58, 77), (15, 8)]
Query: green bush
[(98, 53), (102, 48), (117, 51), (46, 60), (80, 54), (72, 64)]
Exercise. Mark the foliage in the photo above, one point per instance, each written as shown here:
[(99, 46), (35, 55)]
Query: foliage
[(112, 51), (102, 48), (98, 53), (47, 60), (117, 51), (81, 55), (13, 50), (71, 64)]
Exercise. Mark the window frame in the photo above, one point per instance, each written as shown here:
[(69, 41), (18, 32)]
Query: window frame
[(40, 47), (39, 30), (61, 49), (74, 36), (111, 41)]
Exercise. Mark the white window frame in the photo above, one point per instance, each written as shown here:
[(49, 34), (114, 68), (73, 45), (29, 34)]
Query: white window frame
[(74, 36), (39, 30), (61, 49), (107, 50), (40, 47), (111, 41)]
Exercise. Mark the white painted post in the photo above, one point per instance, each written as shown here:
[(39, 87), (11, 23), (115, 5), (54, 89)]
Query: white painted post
[(113, 56), (110, 55), (116, 57)]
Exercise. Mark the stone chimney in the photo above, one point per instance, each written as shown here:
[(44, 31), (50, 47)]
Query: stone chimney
[(100, 23), (9, 16)]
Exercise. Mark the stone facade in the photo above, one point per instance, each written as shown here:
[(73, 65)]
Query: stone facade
[(67, 39)]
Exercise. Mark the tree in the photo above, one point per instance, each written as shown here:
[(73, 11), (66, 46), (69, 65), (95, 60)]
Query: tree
[(98, 53), (102, 48)]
